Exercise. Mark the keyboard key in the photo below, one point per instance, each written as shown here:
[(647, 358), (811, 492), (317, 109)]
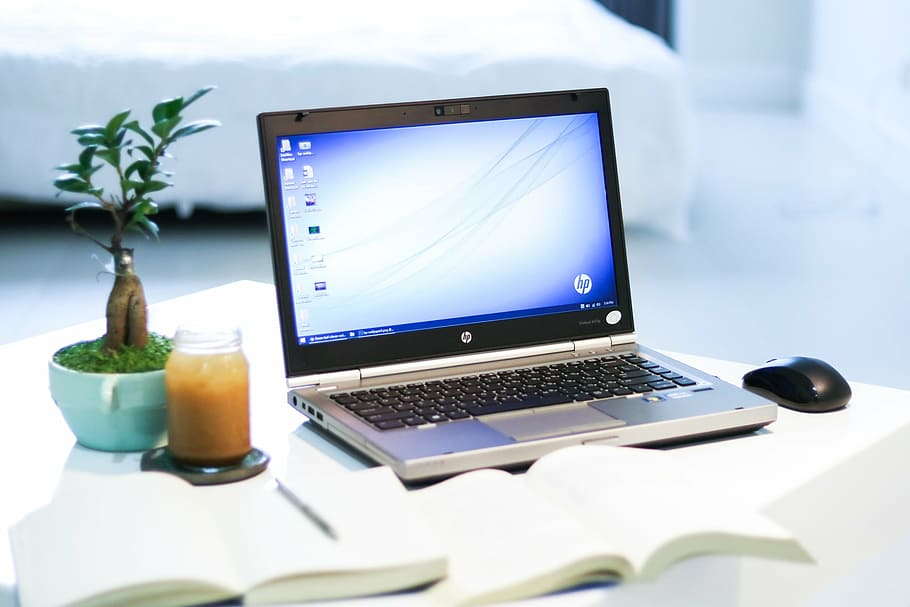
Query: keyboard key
[(384, 417), (366, 412), (644, 379), (684, 381), (662, 385), (360, 407), (344, 399)]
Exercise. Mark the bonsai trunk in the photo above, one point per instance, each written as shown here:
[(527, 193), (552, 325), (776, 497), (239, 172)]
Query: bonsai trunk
[(126, 306)]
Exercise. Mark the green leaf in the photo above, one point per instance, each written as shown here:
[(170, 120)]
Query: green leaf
[(167, 109), (71, 182), (92, 139), (88, 204), (163, 128), (134, 126), (194, 127), (109, 155), (88, 129), (147, 150), (198, 94), (145, 207), (115, 123), (117, 141), (144, 225), (86, 156), (69, 168), (155, 186), (128, 184), (140, 166)]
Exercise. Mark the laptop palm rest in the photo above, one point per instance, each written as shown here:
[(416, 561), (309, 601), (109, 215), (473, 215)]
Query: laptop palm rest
[(546, 424)]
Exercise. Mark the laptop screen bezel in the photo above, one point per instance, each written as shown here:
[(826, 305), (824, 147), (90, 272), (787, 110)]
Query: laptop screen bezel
[(446, 341)]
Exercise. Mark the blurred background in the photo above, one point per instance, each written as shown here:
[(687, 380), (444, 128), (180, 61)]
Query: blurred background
[(789, 138)]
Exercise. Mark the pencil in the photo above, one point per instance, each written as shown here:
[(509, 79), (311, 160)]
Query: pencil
[(307, 510)]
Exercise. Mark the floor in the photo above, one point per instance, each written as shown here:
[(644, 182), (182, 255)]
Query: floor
[(796, 249)]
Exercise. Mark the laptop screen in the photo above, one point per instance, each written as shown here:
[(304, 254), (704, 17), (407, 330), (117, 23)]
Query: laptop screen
[(396, 230), (409, 228)]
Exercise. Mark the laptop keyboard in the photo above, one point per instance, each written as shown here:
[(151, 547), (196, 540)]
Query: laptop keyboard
[(457, 398)]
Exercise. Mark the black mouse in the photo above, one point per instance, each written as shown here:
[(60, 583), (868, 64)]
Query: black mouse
[(801, 383)]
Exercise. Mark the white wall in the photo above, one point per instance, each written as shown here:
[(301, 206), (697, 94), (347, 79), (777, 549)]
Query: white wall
[(744, 51), (858, 82)]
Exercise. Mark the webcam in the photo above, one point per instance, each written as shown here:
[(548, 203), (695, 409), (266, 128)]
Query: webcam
[(459, 109)]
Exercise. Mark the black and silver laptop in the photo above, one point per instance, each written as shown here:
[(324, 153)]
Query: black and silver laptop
[(453, 289)]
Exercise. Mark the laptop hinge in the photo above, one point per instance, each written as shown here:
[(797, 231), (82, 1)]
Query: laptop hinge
[(601, 343), (319, 379)]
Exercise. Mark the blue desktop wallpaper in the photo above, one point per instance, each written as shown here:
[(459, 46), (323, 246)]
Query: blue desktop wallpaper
[(400, 228)]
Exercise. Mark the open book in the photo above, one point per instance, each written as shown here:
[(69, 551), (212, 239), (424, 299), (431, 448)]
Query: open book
[(152, 539), (585, 514)]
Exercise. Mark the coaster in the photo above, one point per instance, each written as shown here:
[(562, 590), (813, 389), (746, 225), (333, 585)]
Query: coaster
[(161, 460)]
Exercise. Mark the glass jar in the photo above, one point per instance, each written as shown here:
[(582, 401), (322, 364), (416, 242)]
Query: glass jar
[(208, 398)]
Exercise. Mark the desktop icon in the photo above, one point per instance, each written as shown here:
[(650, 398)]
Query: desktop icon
[(310, 199), (303, 317), (289, 174), (285, 145), (314, 230), (303, 146), (319, 286), (308, 172)]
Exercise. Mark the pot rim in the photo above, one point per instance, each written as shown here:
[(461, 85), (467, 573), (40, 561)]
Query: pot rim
[(54, 365)]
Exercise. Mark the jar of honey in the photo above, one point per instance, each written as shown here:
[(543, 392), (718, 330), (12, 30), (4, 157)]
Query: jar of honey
[(208, 398)]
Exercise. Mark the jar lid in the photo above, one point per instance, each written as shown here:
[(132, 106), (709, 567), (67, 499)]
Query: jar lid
[(194, 339)]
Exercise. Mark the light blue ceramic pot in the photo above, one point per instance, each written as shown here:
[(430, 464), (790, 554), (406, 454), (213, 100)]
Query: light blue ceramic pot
[(112, 411)]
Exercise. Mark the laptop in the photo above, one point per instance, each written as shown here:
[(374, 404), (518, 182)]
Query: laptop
[(453, 289)]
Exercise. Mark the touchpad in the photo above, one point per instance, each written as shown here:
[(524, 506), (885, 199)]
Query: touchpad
[(544, 424)]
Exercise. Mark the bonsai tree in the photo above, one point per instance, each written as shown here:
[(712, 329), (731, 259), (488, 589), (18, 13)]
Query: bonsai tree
[(134, 154)]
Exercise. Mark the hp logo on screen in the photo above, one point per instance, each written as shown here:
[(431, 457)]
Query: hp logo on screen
[(583, 284), (466, 337)]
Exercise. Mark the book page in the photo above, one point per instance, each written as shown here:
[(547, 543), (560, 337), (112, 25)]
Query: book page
[(654, 508), (283, 555), (507, 542), (133, 532)]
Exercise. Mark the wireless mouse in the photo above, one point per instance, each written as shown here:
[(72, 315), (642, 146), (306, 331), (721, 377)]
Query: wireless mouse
[(800, 383)]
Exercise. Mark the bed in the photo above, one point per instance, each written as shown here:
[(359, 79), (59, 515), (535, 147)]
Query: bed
[(66, 64)]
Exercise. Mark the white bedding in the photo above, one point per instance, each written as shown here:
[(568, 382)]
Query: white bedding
[(63, 64)]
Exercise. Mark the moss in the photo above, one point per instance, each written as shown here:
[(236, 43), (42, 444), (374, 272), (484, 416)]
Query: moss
[(91, 357)]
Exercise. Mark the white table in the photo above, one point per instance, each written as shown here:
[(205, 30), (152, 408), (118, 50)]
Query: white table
[(840, 481)]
